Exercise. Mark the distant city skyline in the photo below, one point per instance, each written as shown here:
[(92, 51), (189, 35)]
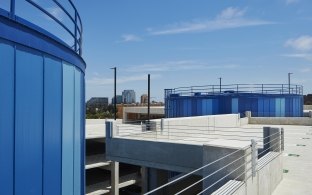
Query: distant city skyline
[(182, 43)]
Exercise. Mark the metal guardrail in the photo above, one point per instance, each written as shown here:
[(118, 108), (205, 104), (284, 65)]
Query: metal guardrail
[(236, 167), (236, 88), (159, 130), (75, 33), (238, 172)]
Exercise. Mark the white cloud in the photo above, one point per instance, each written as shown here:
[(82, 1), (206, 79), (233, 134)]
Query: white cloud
[(56, 12), (305, 70), (227, 19), (302, 43), (177, 66), (123, 79), (288, 2), (231, 12), (306, 56), (130, 38)]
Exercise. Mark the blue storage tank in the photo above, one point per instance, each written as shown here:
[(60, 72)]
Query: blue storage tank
[(42, 106), (263, 100)]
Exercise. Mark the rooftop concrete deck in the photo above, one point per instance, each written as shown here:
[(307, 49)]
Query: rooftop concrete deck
[(298, 180)]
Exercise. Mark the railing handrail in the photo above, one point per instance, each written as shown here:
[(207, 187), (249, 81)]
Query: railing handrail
[(75, 33), (238, 88)]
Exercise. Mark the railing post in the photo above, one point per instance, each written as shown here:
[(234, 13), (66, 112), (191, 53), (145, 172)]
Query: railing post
[(162, 124), (254, 157), (109, 129), (237, 88), (262, 88), (282, 88), (282, 139), (12, 9), (271, 139)]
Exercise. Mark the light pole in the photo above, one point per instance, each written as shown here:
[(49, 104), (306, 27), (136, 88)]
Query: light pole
[(115, 96), (289, 81), (148, 97), (220, 81)]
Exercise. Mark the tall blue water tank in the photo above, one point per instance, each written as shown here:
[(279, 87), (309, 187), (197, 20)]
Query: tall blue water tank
[(42, 89), (260, 104)]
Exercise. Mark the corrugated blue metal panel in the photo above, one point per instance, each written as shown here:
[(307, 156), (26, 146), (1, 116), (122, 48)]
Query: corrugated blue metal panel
[(189, 107), (77, 133), (266, 107), (295, 107), (52, 166), (235, 105), (6, 118), (283, 107), (287, 107), (215, 106), (82, 133), (207, 107), (28, 123), (272, 107), (254, 105), (68, 130), (260, 107), (199, 106), (278, 107)]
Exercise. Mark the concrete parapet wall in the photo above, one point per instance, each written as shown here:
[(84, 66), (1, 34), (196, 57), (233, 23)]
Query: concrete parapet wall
[(244, 121), (225, 120), (307, 107), (281, 120)]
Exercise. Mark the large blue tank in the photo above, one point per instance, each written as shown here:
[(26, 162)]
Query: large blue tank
[(263, 100), (42, 110)]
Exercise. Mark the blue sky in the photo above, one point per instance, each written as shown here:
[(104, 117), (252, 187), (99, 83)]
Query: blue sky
[(194, 42)]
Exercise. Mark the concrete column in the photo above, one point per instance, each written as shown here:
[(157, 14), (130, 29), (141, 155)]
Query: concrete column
[(275, 140), (271, 139), (266, 138), (254, 157), (248, 114), (115, 178), (156, 178), (144, 180)]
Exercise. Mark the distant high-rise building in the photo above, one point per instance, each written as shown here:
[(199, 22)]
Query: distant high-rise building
[(119, 99), (128, 96), (144, 99), (97, 103)]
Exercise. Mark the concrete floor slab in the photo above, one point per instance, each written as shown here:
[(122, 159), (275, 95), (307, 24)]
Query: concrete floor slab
[(298, 180)]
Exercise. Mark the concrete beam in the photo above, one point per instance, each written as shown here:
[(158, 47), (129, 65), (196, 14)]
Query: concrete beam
[(115, 178)]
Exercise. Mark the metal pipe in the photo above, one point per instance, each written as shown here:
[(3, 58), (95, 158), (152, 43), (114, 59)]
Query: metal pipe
[(12, 9), (220, 80), (115, 96), (148, 97), (289, 81)]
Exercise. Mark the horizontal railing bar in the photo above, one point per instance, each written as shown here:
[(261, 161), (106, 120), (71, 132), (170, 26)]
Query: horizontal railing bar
[(51, 16), (192, 172), (223, 178), (67, 13), (212, 174)]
